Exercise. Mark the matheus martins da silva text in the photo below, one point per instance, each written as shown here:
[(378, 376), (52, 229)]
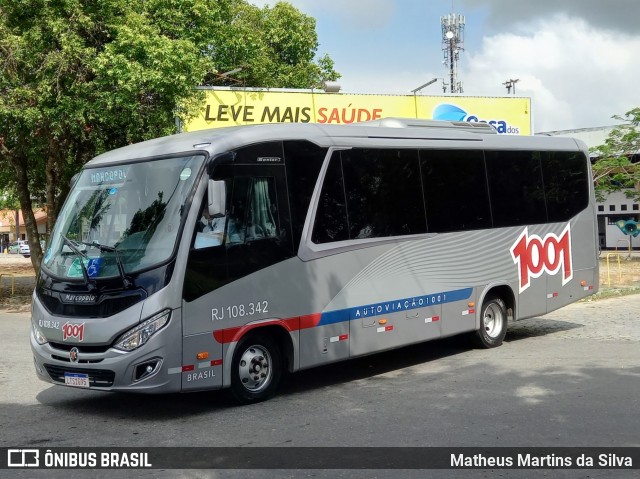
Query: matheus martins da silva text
[(546, 461)]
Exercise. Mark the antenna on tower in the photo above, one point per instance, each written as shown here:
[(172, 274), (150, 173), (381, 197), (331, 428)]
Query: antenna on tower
[(452, 45), (511, 83)]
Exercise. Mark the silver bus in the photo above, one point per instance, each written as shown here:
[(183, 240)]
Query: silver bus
[(226, 258)]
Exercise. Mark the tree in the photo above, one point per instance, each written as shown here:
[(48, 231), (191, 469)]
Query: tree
[(80, 77), (617, 167), (274, 47)]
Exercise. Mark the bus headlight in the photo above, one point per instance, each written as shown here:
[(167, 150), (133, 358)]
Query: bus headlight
[(37, 334), (136, 337)]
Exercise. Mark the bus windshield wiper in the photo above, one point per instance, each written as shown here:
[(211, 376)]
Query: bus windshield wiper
[(112, 249), (81, 256)]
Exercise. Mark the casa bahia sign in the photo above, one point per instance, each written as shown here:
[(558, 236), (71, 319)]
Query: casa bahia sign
[(231, 106)]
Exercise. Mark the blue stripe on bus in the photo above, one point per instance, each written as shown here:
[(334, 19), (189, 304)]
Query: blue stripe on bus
[(394, 306)]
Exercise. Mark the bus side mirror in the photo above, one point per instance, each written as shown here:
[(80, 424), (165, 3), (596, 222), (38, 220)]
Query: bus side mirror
[(217, 198)]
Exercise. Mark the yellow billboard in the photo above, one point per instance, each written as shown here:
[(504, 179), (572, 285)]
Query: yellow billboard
[(233, 106)]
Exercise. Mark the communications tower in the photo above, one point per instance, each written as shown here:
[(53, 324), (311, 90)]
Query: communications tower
[(452, 45)]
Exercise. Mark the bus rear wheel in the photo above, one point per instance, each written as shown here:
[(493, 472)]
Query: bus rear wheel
[(256, 368), (493, 323)]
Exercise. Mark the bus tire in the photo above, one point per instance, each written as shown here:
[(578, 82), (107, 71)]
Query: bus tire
[(256, 368), (493, 323)]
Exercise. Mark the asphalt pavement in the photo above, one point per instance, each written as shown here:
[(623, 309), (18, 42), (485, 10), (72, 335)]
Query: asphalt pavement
[(570, 378)]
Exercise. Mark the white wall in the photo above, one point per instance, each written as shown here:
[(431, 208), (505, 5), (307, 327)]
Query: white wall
[(614, 237)]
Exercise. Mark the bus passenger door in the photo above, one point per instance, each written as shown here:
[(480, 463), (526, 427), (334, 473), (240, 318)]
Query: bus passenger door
[(206, 271)]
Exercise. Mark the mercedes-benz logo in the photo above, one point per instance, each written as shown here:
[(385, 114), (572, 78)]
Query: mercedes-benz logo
[(73, 355)]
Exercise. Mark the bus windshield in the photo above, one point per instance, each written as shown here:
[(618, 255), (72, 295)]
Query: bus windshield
[(121, 219)]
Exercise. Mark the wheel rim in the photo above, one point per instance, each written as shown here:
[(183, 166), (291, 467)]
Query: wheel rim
[(492, 320), (254, 368)]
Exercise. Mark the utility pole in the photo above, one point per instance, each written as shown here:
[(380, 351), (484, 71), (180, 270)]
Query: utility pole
[(511, 83)]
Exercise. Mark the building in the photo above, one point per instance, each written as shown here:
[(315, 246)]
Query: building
[(616, 206), (8, 231)]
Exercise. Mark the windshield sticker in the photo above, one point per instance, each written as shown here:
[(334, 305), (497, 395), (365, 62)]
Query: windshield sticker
[(75, 270), (91, 264), (185, 174), (113, 191), (93, 267)]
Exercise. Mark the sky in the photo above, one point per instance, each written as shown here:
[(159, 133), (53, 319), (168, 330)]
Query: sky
[(578, 60)]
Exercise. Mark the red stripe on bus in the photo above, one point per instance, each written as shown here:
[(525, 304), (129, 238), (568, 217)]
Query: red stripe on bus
[(229, 335), (224, 336), (310, 320), (188, 368), (216, 362)]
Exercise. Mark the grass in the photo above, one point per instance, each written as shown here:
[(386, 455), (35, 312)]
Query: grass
[(612, 293)]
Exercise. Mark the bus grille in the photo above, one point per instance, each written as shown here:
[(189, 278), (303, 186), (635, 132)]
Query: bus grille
[(108, 306), (82, 348), (100, 378)]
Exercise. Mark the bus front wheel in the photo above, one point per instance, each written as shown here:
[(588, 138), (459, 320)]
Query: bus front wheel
[(493, 323), (256, 368)]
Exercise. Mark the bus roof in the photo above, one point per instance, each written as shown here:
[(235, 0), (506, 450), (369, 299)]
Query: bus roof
[(391, 132)]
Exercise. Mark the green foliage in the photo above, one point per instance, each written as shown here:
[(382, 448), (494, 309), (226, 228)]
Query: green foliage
[(274, 46), (8, 197), (614, 170), (78, 77)]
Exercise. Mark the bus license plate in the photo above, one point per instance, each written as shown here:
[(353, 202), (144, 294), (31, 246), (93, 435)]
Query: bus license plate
[(76, 379)]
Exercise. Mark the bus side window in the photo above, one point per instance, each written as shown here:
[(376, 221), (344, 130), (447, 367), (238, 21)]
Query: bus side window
[(384, 192), (455, 189), (257, 230), (237, 211), (566, 184), (209, 231), (253, 214), (261, 221), (331, 216), (515, 188)]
